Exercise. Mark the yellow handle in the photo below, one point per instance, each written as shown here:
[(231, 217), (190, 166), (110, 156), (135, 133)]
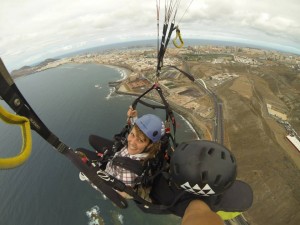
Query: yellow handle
[(178, 35), (23, 122), (228, 215)]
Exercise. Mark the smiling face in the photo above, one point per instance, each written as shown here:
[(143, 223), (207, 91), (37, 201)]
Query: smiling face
[(137, 141)]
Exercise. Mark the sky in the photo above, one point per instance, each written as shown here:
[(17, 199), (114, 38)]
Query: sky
[(33, 30)]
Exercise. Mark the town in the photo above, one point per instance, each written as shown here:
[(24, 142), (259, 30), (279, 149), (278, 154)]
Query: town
[(140, 63)]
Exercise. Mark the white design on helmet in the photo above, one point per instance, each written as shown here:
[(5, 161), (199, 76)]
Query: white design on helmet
[(197, 190), (163, 129)]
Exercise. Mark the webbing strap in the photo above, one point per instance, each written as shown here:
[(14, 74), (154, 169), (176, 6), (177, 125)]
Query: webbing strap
[(13, 97), (23, 122), (169, 113), (188, 75), (133, 165), (99, 178), (150, 207)]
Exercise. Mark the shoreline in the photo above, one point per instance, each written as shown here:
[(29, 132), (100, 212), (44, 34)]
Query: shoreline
[(122, 70), (192, 122)]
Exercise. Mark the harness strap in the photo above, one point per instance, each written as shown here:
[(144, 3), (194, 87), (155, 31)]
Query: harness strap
[(132, 165), (151, 105), (150, 207), (143, 204), (169, 113), (188, 75), (99, 179)]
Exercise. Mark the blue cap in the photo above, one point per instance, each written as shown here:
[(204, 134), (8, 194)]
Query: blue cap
[(152, 126)]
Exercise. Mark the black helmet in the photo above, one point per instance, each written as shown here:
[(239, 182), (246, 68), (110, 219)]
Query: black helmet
[(203, 167)]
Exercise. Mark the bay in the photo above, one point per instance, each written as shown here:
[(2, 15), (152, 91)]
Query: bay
[(74, 101)]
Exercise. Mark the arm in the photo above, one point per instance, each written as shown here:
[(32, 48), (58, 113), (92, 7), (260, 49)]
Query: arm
[(198, 213), (132, 115), (124, 195)]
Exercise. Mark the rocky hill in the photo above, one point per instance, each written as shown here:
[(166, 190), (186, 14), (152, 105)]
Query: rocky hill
[(26, 70)]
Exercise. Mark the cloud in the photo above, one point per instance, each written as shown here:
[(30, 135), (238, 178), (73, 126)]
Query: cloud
[(51, 27)]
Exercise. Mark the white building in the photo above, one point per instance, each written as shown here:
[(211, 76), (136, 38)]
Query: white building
[(276, 113), (295, 141)]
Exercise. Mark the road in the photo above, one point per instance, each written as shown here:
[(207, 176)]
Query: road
[(218, 130), (218, 136)]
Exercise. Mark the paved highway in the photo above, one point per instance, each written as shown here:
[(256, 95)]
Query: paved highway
[(218, 136), (218, 129)]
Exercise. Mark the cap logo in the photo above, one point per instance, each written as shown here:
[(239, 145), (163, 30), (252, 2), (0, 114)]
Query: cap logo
[(205, 191)]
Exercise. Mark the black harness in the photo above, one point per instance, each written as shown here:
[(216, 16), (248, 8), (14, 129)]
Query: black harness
[(170, 119), (106, 183), (147, 171)]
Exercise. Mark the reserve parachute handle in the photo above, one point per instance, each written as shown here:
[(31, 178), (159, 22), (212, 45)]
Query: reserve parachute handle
[(23, 122)]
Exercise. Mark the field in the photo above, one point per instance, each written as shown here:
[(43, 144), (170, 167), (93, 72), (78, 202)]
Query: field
[(266, 160)]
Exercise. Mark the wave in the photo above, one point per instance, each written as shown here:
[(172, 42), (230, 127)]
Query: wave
[(121, 218), (94, 216), (98, 86), (111, 91), (190, 126), (123, 72)]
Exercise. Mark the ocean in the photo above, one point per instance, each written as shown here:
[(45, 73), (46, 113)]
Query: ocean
[(74, 101)]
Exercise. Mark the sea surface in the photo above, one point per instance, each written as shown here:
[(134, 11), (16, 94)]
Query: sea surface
[(74, 101)]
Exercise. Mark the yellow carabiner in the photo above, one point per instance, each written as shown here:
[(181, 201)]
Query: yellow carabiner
[(23, 122), (178, 35)]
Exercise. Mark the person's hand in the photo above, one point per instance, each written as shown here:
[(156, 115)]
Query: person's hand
[(132, 112), (198, 213)]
